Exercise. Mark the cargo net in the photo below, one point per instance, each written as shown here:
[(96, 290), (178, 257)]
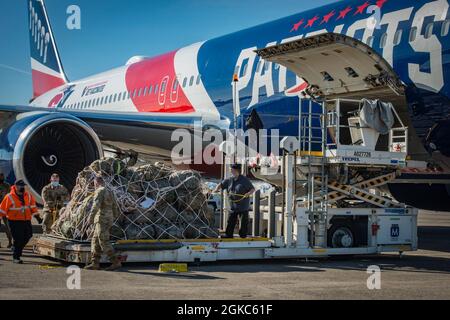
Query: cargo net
[(154, 202)]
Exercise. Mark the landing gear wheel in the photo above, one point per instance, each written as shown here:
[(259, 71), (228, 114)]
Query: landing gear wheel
[(341, 236)]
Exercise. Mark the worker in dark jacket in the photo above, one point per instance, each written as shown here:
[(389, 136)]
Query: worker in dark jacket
[(239, 189), (18, 207)]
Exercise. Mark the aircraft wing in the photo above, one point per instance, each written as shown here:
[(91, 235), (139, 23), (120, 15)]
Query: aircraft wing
[(36, 142)]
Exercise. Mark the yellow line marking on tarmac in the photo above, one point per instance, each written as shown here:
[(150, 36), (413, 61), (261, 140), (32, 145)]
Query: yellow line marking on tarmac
[(48, 267), (173, 268)]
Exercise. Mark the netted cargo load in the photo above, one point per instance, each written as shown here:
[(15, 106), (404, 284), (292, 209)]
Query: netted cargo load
[(154, 202)]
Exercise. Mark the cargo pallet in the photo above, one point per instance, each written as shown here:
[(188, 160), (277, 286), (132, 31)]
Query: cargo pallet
[(388, 231)]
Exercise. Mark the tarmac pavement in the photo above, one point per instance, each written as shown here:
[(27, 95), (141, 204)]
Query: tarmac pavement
[(420, 275)]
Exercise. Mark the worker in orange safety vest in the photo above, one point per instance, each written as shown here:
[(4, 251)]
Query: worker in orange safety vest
[(19, 207)]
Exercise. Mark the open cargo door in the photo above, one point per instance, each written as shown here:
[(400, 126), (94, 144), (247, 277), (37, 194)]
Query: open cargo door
[(335, 65)]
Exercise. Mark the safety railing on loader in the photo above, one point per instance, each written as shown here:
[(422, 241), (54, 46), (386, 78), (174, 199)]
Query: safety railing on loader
[(365, 132)]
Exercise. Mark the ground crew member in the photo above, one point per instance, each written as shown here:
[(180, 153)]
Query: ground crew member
[(55, 197), (19, 206), (103, 215), (239, 189), (5, 188)]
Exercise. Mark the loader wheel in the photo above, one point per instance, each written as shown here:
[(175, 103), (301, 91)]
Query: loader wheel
[(341, 236)]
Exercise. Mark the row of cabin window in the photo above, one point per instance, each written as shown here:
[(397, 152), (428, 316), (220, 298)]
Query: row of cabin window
[(262, 65), (119, 97), (100, 101), (191, 81), (149, 90), (429, 31), (136, 93)]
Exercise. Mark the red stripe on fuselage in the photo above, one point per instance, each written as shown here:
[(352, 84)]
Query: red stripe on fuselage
[(160, 71), (43, 83), (298, 89)]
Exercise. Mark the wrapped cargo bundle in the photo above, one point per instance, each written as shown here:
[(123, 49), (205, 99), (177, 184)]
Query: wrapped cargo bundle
[(155, 202)]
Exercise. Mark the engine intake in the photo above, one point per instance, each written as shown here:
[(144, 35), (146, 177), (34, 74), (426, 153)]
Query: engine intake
[(47, 143)]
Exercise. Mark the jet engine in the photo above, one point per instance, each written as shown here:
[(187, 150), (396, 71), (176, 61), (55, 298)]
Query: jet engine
[(35, 145)]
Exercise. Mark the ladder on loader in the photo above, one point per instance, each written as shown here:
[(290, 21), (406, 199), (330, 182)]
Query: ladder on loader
[(313, 144)]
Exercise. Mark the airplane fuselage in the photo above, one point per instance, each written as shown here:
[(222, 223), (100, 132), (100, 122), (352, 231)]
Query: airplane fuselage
[(196, 80)]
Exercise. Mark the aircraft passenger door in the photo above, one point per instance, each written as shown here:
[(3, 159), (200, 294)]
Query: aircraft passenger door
[(163, 91), (174, 91)]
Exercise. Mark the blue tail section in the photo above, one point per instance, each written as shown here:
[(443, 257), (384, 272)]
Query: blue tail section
[(46, 65)]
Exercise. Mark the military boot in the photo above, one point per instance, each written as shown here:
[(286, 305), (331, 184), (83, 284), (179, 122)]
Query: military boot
[(116, 264), (95, 265)]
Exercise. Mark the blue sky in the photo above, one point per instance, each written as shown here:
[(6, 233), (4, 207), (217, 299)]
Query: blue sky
[(114, 30)]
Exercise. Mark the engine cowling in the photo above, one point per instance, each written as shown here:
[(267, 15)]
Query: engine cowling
[(35, 145)]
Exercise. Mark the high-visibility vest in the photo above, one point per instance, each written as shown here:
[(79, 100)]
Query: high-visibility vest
[(14, 210)]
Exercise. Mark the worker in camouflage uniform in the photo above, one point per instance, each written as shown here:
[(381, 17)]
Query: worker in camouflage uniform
[(5, 188), (55, 197), (103, 215)]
